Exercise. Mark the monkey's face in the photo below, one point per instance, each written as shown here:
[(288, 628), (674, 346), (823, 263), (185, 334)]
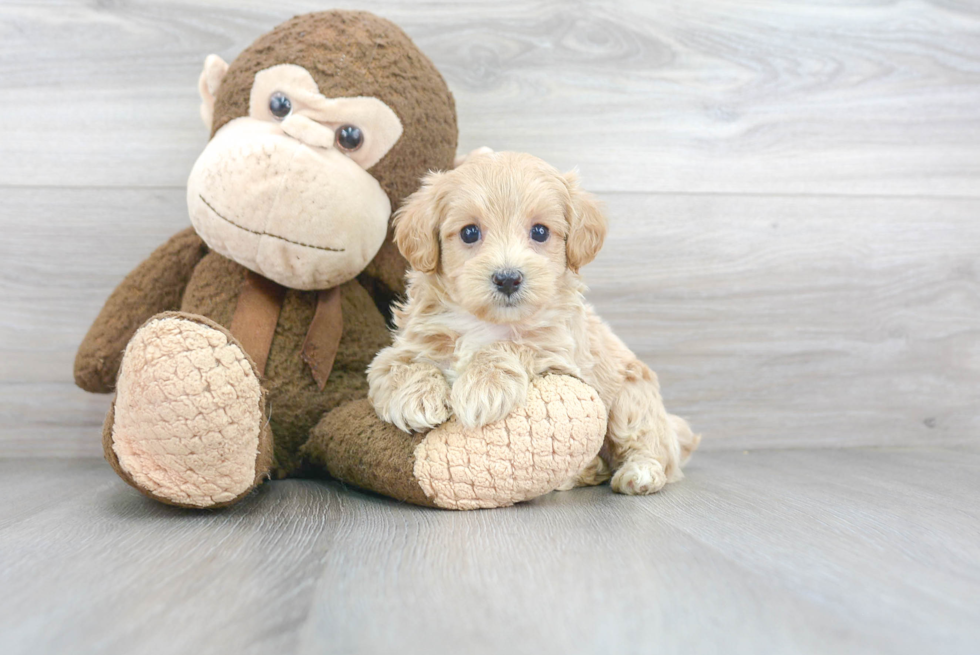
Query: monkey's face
[(284, 191)]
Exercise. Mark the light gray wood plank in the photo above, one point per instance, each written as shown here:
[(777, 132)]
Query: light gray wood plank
[(871, 98), (803, 551), (46, 483), (63, 251), (801, 320), (792, 551), (109, 571), (771, 320)]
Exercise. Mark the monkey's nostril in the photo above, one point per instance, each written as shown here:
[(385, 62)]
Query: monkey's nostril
[(507, 280)]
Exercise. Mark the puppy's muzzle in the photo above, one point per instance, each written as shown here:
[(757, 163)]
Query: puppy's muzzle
[(507, 281)]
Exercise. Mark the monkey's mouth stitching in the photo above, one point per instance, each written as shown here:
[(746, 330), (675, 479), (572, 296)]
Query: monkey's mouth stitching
[(265, 234)]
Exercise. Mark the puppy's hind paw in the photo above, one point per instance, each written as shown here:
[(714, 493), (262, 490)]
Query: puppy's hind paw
[(639, 477)]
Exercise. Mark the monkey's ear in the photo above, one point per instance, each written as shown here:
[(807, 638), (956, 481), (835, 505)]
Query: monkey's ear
[(586, 224), (417, 224), (208, 83)]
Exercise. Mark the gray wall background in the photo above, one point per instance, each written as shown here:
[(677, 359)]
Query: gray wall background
[(794, 191)]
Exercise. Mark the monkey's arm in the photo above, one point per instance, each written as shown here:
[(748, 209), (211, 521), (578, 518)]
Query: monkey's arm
[(156, 285)]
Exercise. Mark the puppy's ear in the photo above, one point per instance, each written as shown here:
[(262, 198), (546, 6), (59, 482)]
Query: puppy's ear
[(586, 224), (417, 224)]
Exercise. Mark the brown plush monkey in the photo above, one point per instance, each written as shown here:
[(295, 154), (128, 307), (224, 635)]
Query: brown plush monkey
[(238, 349)]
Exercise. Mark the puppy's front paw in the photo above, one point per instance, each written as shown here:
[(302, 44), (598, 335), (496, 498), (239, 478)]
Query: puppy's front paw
[(639, 477), (487, 392), (414, 398)]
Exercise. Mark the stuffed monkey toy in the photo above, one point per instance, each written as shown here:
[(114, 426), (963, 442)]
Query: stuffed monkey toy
[(238, 349)]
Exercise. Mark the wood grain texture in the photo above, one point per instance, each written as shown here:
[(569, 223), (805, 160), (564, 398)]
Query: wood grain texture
[(771, 320), (793, 551), (871, 97), (100, 570), (788, 321), (803, 314)]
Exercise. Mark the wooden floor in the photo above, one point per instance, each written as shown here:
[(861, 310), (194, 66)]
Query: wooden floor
[(771, 551), (794, 197)]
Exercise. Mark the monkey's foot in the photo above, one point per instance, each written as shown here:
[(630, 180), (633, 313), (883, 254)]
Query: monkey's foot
[(188, 426), (539, 445), (554, 435)]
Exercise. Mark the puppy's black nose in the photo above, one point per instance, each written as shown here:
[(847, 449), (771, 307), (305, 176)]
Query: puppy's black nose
[(507, 280)]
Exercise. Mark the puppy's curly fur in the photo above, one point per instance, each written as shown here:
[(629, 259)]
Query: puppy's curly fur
[(495, 298)]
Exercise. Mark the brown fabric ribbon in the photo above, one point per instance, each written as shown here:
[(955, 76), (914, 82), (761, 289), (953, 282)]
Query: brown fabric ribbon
[(323, 335), (257, 314)]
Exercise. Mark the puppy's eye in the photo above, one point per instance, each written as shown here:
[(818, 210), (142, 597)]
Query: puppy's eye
[(470, 234), (540, 233), (279, 105)]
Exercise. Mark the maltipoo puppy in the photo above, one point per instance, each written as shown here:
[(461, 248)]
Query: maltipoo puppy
[(495, 299)]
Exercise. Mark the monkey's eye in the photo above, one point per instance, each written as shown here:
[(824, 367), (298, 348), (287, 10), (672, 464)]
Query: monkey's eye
[(279, 105), (350, 138), (539, 233), (470, 234)]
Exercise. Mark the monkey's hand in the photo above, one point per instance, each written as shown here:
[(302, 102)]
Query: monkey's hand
[(157, 285)]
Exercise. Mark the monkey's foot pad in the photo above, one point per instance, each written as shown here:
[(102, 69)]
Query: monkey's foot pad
[(188, 413), (535, 449)]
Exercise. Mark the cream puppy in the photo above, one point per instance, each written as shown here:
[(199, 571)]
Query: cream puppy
[(495, 299)]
